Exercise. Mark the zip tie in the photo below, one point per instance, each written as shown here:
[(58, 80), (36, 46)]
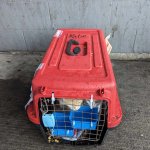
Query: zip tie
[(53, 98), (91, 102)]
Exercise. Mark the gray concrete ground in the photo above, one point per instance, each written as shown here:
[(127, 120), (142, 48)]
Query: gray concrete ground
[(16, 132)]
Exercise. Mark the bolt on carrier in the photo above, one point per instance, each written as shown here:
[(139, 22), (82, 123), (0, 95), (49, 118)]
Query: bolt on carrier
[(74, 97)]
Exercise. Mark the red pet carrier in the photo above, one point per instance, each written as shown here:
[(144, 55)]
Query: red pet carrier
[(74, 98)]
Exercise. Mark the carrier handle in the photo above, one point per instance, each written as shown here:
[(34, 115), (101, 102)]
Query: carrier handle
[(68, 48)]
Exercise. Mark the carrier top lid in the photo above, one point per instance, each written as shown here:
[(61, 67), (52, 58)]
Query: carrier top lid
[(76, 50), (75, 59)]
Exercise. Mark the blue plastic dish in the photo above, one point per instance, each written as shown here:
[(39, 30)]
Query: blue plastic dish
[(84, 118), (63, 125), (59, 124), (48, 120)]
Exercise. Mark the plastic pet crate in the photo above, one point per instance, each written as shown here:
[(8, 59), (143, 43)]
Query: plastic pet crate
[(74, 97)]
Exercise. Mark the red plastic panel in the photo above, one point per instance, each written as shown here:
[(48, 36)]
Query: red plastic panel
[(77, 76)]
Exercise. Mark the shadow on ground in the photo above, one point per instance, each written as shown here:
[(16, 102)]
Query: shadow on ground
[(133, 79)]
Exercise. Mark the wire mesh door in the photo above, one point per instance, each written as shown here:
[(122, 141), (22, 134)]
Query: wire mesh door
[(74, 120)]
